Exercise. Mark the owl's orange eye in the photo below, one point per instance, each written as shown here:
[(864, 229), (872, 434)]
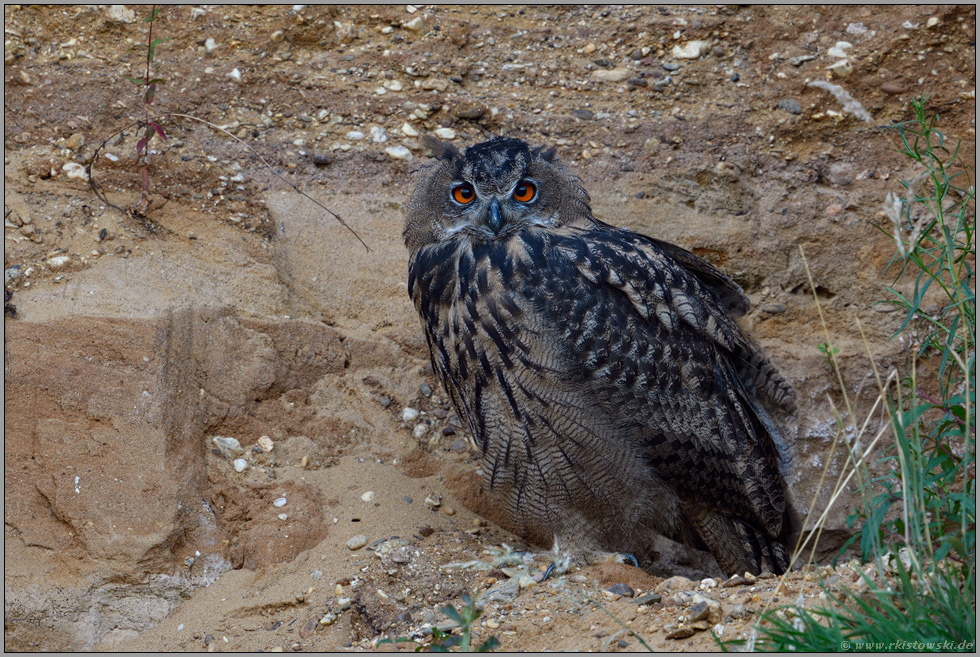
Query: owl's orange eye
[(524, 191), (464, 193)]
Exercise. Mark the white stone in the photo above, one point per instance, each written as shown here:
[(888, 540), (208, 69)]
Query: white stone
[(240, 465), (229, 447), (690, 50), (368, 496), (75, 171), (409, 131), (420, 430), (399, 153), (611, 75), (840, 49), (354, 135), (378, 134), (446, 133), (235, 75), (357, 542), (265, 444), (57, 262), (409, 414), (120, 14), (841, 69), (415, 25), (210, 45), (280, 502), (393, 85)]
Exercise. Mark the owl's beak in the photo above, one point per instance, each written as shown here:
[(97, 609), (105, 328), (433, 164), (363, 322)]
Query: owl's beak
[(494, 220)]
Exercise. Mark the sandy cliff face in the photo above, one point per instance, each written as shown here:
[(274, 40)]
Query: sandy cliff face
[(237, 308)]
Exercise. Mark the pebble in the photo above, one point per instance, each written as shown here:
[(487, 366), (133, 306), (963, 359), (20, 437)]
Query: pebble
[(790, 105), (75, 171), (210, 45), (378, 134), (235, 75), (893, 88), (10, 275), (583, 114), (409, 131), (415, 25), (393, 85), (796, 61), (280, 502), (841, 69), (698, 612), (670, 66), (739, 611), (833, 209), (282, 516), (399, 153), (433, 502), (426, 390), (354, 135), (622, 589), (840, 49), (841, 174), (58, 262), (265, 444), (229, 447), (648, 599), (680, 633), (709, 583), (240, 465), (368, 496), (611, 75), (471, 114), (75, 142), (446, 133), (434, 84), (357, 542), (690, 50), (772, 309), (401, 555), (409, 414), (330, 617)]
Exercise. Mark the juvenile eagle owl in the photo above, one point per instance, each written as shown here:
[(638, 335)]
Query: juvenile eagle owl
[(599, 371)]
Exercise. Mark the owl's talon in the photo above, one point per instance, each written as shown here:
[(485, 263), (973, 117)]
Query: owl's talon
[(547, 573), (626, 557)]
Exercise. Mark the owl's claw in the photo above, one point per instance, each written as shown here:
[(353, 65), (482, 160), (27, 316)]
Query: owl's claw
[(547, 573)]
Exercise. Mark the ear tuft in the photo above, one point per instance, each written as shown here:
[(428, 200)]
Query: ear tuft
[(547, 154), (440, 149)]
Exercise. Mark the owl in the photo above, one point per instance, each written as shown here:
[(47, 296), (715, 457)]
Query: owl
[(600, 372)]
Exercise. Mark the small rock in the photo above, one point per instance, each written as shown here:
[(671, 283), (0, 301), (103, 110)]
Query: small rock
[(739, 611), (856, 28), (322, 159), (772, 309), (471, 114), (833, 209), (368, 496), (690, 50), (401, 555), (279, 502), (354, 135), (357, 542), (399, 153), (841, 174), (229, 447), (58, 262), (409, 414), (409, 131), (841, 69), (75, 142), (637, 82), (265, 444), (589, 49), (420, 430), (235, 75), (671, 66), (415, 25), (700, 625), (434, 502), (613, 75), (648, 599), (796, 61), (709, 583), (675, 583), (790, 105), (445, 133), (210, 45), (435, 84), (11, 275), (330, 617), (583, 114), (622, 589), (393, 85), (932, 22), (75, 171), (426, 390), (378, 134), (680, 633), (893, 88), (240, 465), (840, 49), (120, 14), (698, 612)]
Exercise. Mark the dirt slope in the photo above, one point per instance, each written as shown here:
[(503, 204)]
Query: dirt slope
[(234, 307)]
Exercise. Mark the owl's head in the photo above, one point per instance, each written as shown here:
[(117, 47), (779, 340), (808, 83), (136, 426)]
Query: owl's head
[(491, 191)]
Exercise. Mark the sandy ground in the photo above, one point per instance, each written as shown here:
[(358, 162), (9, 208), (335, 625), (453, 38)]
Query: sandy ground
[(232, 306)]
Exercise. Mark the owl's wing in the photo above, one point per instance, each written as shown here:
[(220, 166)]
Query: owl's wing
[(654, 344)]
